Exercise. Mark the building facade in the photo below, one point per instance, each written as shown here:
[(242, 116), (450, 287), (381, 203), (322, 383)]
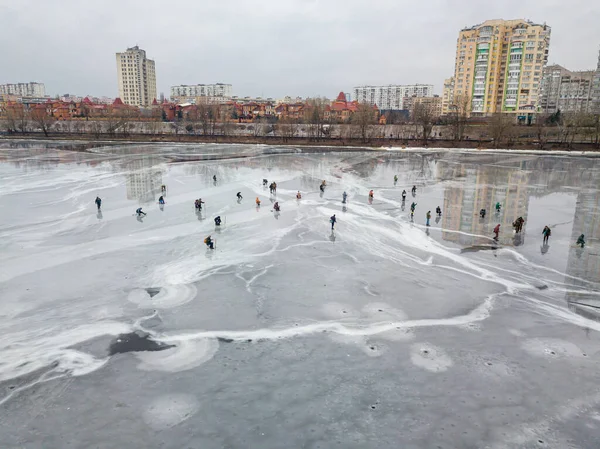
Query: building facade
[(596, 89), (137, 77), (24, 89), (564, 90), (189, 93), (448, 95), (434, 104), (499, 64), (391, 98)]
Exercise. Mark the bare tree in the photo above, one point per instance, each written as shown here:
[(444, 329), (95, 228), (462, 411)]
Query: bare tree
[(97, 128), (286, 128), (315, 117), (43, 119), (595, 125), (78, 127), (363, 120), (460, 111), (17, 117), (127, 117), (424, 118), (542, 130), (68, 126), (499, 127), (113, 123), (208, 115), (570, 126), (259, 128)]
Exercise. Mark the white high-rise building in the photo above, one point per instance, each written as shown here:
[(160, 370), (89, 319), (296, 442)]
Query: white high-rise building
[(189, 93), (566, 90), (137, 77), (391, 97), (24, 89)]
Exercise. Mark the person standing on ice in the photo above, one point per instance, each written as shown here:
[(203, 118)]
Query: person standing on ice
[(581, 241), (546, 233), (498, 207), (413, 206), (139, 212), (438, 211), (298, 195), (214, 178), (496, 231), (218, 220), (161, 200), (344, 196), (403, 195), (395, 179), (333, 221), (276, 206), (428, 216), (209, 242), (257, 202), (239, 196), (414, 190), (98, 202)]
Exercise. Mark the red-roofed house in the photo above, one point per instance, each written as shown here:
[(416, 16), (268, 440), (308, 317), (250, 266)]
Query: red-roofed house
[(342, 110)]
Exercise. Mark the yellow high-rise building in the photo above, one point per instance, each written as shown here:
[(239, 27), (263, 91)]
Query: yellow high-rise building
[(499, 65)]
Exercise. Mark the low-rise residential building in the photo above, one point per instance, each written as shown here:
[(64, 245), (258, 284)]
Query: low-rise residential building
[(341, 110), (294, 111), (31, 89), (391, 98), (190, 93), (289, 100), (566, 90)]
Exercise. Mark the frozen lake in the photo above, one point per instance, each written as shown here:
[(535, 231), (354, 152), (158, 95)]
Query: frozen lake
[(120, 332)]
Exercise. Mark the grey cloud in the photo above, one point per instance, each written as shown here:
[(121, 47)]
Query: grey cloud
[(270, 48)]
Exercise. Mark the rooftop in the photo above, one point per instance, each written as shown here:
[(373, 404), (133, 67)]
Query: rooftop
[(511, 22)]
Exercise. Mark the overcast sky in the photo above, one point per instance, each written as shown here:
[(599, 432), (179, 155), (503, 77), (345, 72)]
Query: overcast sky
[(269, 47)]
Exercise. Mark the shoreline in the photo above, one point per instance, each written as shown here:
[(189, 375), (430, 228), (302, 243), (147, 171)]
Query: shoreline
[(305, 145)]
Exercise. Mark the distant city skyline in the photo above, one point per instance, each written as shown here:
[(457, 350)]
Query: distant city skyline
[(297, 48)]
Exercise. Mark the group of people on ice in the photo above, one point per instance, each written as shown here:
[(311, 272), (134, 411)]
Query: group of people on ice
[(517, 224)]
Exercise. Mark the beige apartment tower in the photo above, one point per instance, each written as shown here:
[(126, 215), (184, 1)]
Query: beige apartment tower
[(137, 77), (448, 95), (499, 65)]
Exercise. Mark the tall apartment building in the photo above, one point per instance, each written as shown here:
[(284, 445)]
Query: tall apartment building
[(566, 90), (190, 93), (137, 77), (24, 89), (391, 98), (499, 65), (448, 95)]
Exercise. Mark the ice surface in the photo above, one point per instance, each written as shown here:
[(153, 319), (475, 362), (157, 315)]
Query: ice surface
[(119, 332)]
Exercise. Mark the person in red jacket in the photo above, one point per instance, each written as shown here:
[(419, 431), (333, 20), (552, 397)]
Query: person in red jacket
[(496, 231)]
